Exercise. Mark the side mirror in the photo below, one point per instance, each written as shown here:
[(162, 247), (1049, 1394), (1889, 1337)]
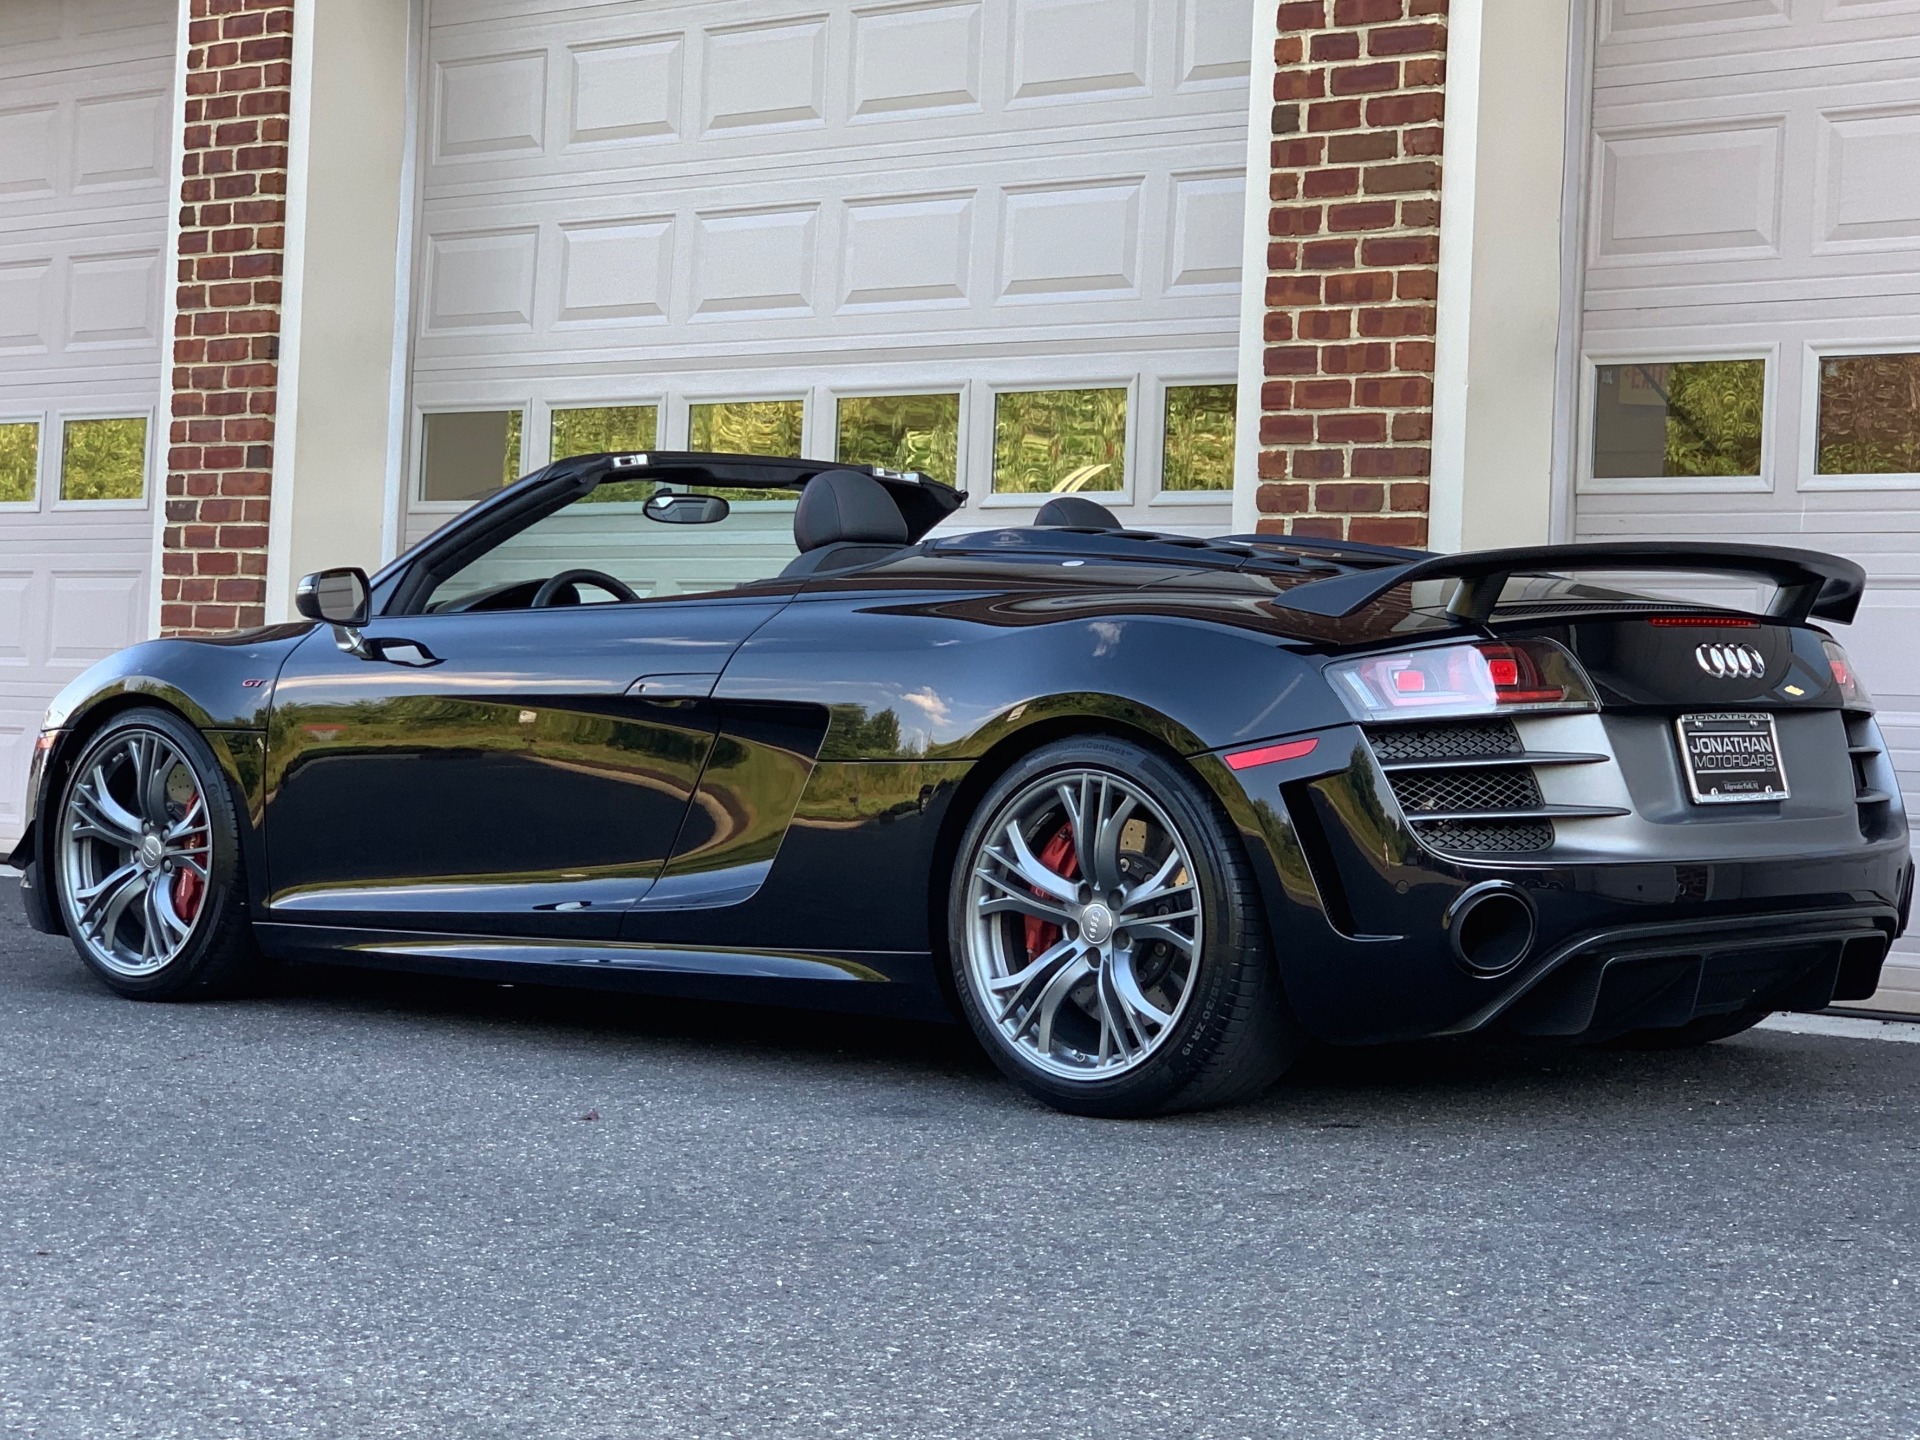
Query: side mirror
[(338, 597), (676, 507)]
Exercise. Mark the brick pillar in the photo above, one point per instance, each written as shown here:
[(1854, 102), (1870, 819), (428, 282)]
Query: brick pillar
[(1347, 408), (226, 339)]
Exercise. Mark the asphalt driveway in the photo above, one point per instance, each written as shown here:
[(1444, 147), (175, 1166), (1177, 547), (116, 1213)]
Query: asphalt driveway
[(375, 1207)]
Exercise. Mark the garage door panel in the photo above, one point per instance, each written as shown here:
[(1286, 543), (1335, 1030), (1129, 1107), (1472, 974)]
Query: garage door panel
[(83, 158), (1752, 193)]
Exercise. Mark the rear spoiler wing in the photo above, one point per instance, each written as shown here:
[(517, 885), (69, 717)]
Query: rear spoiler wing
[(1810, 583)]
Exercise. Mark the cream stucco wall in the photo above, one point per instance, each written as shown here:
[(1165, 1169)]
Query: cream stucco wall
[(1504, 256), (348, 222)]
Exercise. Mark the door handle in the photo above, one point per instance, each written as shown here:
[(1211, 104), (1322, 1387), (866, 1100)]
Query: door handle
[(675, 687), (397, 651)]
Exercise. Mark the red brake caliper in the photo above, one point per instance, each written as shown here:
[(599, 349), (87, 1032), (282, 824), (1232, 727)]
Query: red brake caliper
[(189, 888), (1059, 856)]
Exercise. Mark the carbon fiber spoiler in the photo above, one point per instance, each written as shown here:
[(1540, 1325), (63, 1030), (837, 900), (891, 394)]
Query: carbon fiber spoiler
[(1810, 583)]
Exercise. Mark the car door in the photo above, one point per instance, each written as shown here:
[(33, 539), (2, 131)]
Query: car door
[(512, 747), (516, 772)]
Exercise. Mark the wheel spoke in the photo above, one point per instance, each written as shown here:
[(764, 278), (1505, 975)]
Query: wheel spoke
[(1146, 933), (129, 884), (96, 815), (1105, 867), (1116, 1028), (172, 929), (1140, 1010), (1157, 886), (1030, 868), (1012, 990), (1021, 900), (192, 823), (1047, 1007)]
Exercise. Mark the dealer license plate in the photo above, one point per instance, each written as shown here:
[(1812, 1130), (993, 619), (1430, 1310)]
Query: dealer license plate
[(1731, 759)]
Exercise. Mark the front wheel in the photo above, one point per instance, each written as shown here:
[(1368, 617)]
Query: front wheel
[(147, 862), (1107, 937)]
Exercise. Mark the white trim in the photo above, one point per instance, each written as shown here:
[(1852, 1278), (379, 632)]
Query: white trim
[(170, 299), (1581, 48), (293, 268), (400, 372), (1810, 477), (1263, 66), (1453, 327), (1587, 484)]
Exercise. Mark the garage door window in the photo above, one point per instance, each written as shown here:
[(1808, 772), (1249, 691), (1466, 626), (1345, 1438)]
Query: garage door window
[(1869, 415), (104, 459), (902, 432), (1059, 441), (19, 462), (604, 429), (469, 454), (1667, 419), (1198, 452), (747, 427)]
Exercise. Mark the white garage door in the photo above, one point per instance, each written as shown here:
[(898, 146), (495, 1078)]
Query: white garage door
[(1753, 304), (997, 240), (84, 115)]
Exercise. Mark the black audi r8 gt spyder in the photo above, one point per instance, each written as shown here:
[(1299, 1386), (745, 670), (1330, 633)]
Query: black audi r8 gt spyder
[(1148, 811)]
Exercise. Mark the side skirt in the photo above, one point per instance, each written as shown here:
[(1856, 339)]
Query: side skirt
[(889, 982)]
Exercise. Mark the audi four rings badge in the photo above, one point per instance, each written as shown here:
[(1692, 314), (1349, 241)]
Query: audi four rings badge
[(1731, 662)]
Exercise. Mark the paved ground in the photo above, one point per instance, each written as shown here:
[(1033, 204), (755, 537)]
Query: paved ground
[(372, 1208)]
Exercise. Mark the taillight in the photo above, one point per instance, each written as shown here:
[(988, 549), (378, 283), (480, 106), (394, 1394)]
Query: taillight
[(1479, 678), (1853, 695)]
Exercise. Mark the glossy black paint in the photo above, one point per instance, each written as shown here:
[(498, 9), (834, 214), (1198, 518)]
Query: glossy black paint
[(759, 792)]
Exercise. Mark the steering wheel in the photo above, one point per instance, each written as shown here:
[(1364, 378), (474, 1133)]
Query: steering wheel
[(600, 580)]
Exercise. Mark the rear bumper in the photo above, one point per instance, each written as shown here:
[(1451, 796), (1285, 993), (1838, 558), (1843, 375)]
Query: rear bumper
[(1365, 920)]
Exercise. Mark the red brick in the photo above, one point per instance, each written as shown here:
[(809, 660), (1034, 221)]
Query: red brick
[(1413, 175), (1403, 320), (1303, 15), (1294, 220), (1272, 465), (1390, 112), (1323, 394), (1299, 85), (1367, 12), (1412, 425), (1336, 115), (1325, 324), (1355, 359), (1284, 499), (1393, 392), (1278, 326), (1411, 496), (1298, 151), (1389, 530), (1407, 40), (1416, 355), (1293, 360), (1319, 464), (1291, 428), (1294, 290), (1364, 79), (1319, 527), (1328, 254), (1325, 184), (1362, 147), (1360, 287), (1418, 285), (1387, 251), (1365, 215), (1405, 460), (1348, 498), (1360, 428), (1335, 45)]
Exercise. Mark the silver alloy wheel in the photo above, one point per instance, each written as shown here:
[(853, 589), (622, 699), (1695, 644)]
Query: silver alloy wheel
[(135, 844), (1083, 925)]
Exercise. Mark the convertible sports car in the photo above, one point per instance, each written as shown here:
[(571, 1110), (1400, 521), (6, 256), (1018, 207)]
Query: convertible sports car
[(1148, 811)]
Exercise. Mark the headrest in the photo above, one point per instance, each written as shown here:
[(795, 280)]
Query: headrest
[(1078, 512), (839, 505)]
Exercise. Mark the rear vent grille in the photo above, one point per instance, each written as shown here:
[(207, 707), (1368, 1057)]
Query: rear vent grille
[(1872, 802), (1470, 740), (1448, 776), (1510, 788), (1488, 837)]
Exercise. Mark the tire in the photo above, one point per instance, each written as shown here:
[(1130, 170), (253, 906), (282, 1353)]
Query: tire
[(1702, 1031), (1129, 999), (147, 801)]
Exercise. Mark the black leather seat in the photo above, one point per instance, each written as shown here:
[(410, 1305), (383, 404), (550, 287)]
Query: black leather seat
[(1078, 513), (844, 519)]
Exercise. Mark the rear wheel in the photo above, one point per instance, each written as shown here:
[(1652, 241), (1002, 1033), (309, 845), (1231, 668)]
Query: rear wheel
[(1108, 943), (147, 862)]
